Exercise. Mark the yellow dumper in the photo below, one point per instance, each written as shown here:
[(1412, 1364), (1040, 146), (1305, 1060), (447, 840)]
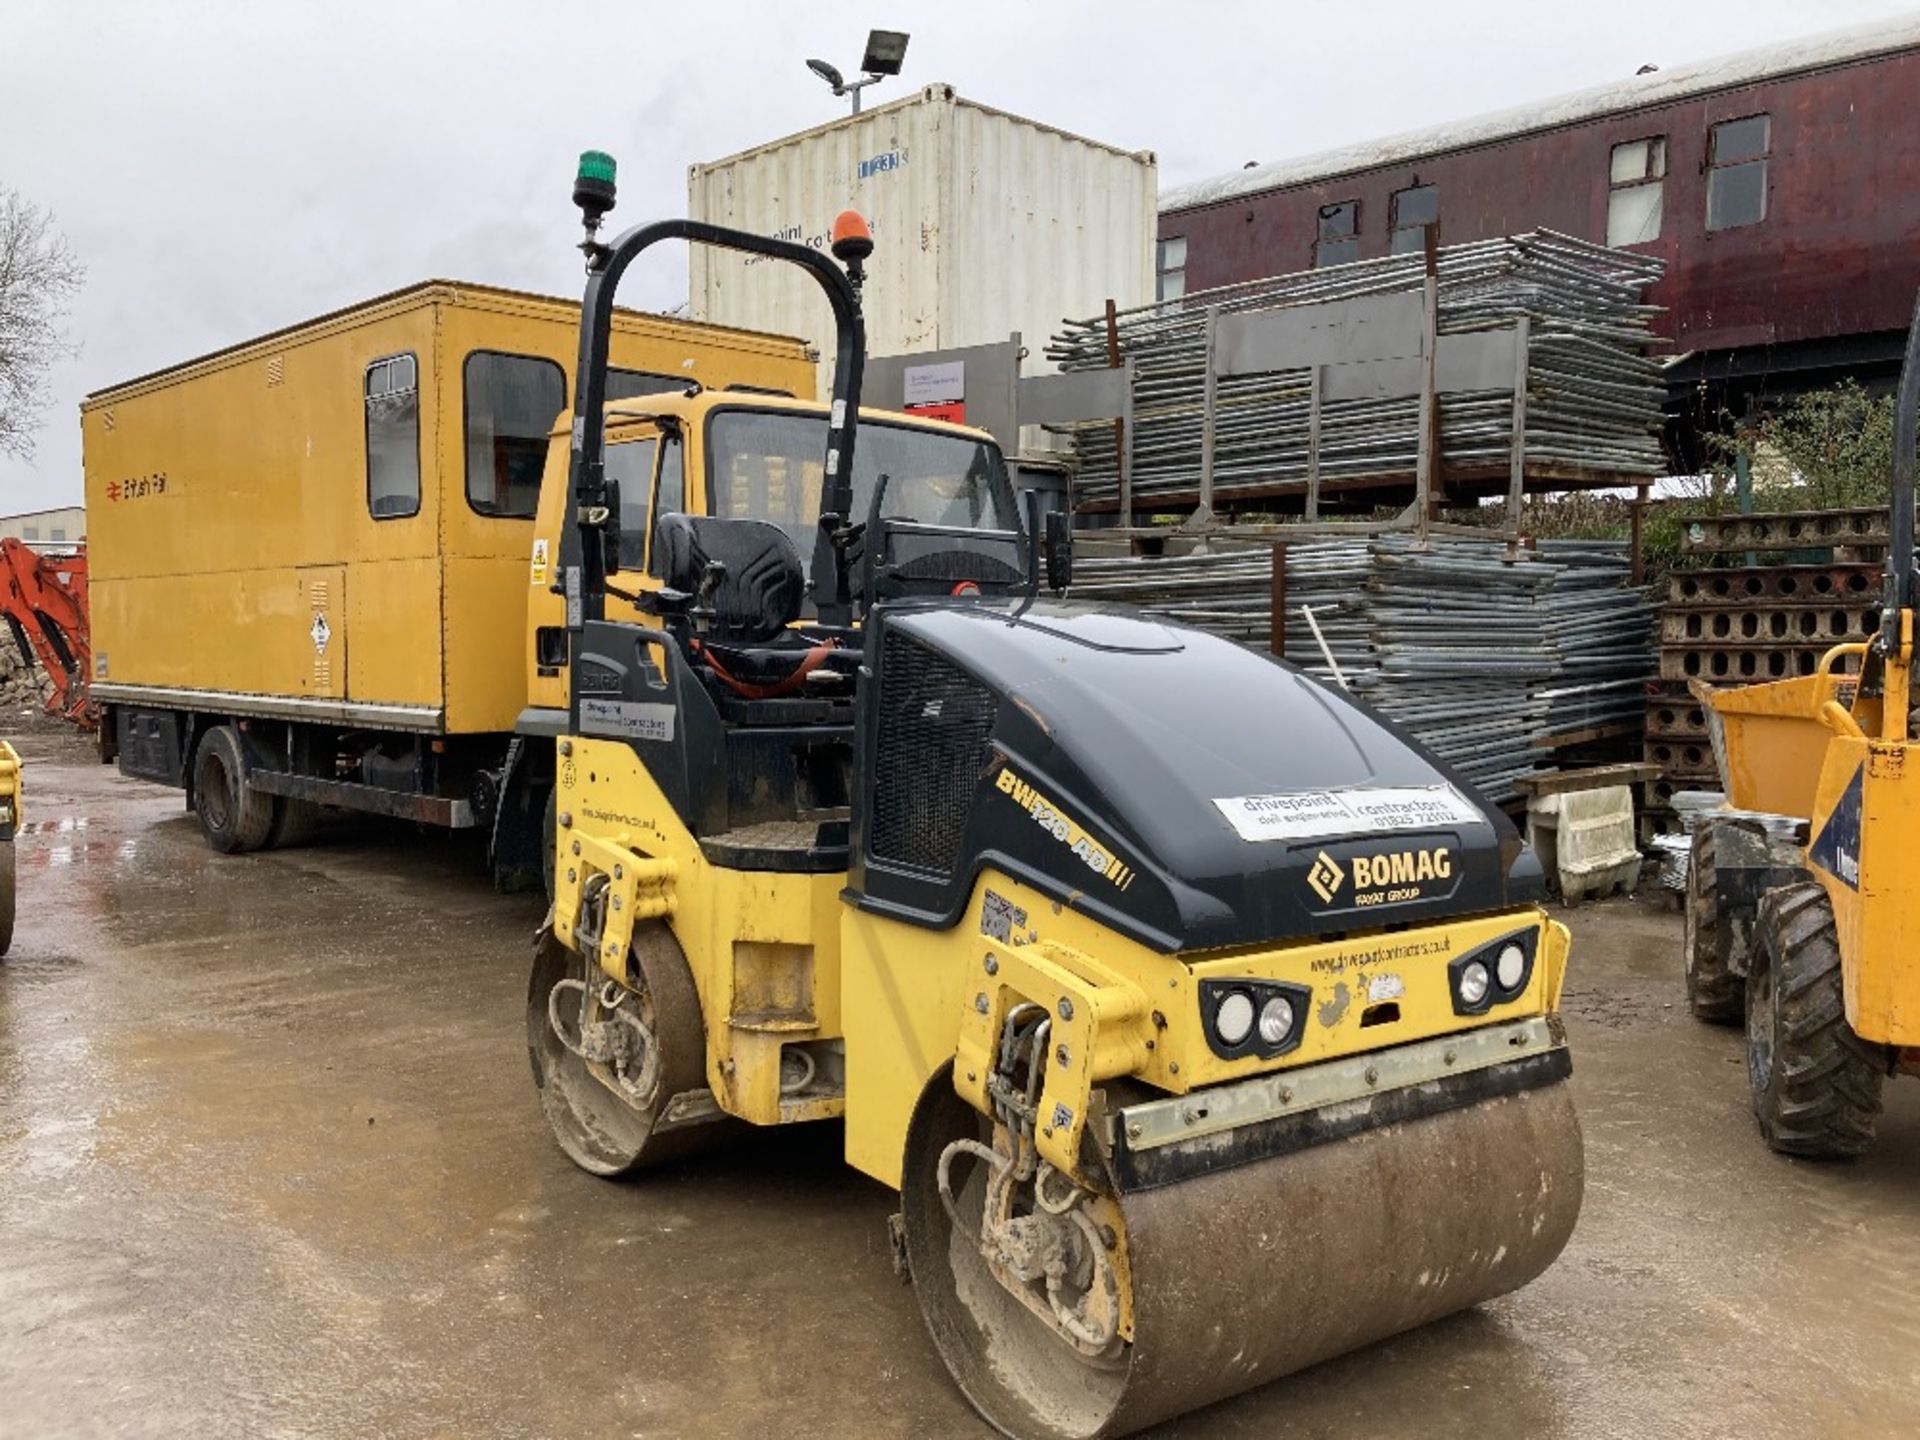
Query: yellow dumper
[(1815, 940)]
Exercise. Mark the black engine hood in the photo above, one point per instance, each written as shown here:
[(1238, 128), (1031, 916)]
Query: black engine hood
[(1186, 789)]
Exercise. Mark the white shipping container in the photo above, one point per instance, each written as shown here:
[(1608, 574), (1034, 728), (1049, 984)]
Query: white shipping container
[(983, 224)]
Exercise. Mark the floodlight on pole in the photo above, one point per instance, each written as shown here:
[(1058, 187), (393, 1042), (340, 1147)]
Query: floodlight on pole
[(886, 52)]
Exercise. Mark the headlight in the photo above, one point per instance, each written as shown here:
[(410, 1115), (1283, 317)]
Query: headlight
[(1494, 974), (1253, 1019), (1511, 968), (1234, 1018), (1276, 1020)]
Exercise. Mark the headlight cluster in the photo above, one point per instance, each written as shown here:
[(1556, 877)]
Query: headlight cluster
[(1492, 975), (1252, 1017)]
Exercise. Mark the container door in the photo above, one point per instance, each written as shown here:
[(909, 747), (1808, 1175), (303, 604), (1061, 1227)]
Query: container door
[(324, 601)]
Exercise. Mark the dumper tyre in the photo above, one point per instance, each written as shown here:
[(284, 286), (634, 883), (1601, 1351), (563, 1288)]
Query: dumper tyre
[(1816, 1085), (599, 1129), (1716, 992), (234, 816), (293, 822), (6, 896)]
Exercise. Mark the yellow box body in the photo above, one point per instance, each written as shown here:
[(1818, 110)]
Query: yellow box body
[(228, 512)]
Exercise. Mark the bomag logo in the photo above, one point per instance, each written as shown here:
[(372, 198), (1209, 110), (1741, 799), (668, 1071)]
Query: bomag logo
[(1326, 876), (1380, 879), (1048, 817)]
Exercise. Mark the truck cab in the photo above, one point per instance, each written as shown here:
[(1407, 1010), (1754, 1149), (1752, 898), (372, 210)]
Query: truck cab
[(758, 457)]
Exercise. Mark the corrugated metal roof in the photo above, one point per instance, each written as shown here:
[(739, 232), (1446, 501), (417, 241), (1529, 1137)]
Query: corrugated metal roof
[(1814, 52)]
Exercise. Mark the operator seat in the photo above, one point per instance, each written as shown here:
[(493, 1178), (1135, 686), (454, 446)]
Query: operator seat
[(750, 646)]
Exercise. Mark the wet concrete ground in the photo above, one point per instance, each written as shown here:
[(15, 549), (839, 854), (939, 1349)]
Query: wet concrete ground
[(271, 1166)]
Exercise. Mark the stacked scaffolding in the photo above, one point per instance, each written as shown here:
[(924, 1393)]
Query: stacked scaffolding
[(1489, 662), (1592, 396)]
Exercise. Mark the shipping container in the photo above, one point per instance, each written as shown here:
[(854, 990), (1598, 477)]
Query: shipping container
[(984, 224)]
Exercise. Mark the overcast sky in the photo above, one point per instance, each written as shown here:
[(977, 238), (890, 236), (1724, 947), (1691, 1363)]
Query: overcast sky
[(227, 168)]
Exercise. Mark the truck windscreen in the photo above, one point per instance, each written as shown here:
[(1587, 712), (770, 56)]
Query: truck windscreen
[(766, 465)]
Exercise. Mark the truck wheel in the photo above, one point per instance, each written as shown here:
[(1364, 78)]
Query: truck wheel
[(293, 822), (1816, 1084), (1715, 993), (6, 896), (234, 816)]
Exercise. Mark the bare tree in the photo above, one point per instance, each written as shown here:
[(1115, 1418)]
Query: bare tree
[(39, 275)]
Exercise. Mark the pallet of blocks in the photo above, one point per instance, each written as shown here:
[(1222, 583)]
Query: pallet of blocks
[(1781, 589)]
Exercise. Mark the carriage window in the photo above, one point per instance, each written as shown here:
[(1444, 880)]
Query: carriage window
[(1338, 241), (1170, 265), (393, 437), (512, 402), (1737, 172), (1413, 210), (1636, 171)]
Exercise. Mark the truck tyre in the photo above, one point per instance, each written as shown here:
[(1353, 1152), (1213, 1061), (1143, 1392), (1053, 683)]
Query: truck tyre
[(293, 822), (1816, 1084), (1715, 991), (234, 816)]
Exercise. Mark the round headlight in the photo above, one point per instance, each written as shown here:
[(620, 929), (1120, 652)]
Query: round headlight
[(1473, 983), (1234, 1019), (1276, 1020), (1511, 967)]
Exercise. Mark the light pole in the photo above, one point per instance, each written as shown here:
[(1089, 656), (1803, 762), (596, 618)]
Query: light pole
[(886, 50)]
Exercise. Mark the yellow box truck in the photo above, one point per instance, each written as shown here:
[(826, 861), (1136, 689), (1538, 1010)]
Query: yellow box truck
[(312, 555)]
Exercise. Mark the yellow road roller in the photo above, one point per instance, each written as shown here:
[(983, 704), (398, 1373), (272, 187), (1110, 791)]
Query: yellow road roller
[(1803, 906), (1206, 1026)]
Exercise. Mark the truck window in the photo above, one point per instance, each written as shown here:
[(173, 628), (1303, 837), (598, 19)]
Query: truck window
[(511, 404), (626, 384), (631, 463), (393, 437)]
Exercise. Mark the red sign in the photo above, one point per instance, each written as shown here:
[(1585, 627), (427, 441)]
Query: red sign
[(954, 412)]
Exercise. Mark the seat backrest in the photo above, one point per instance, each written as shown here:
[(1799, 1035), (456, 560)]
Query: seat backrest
[(765, 586)]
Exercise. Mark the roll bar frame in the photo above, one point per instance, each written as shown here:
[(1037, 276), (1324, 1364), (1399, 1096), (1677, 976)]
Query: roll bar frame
[(584, 575)]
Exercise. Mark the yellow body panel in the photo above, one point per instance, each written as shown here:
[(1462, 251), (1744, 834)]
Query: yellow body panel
[(12, 785), (915, 998), (215, 489), (1774, 741), (763, 947)]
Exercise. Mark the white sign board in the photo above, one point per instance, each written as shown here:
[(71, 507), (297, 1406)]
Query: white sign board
[(936, 384), (1320, 814)]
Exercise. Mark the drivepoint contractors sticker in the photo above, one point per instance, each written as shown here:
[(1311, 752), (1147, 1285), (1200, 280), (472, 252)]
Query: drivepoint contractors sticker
[(1319, 814)]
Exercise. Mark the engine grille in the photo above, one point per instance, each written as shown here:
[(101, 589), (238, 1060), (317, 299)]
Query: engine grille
[(932, 746)]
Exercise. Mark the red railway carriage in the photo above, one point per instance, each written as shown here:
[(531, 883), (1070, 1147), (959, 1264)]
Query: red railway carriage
[(1781, 187)]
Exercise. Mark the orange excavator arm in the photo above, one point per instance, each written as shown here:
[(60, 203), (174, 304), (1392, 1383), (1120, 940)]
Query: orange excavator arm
[(44, 600)]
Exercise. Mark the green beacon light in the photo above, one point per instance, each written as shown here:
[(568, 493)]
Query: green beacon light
[(593, 187)]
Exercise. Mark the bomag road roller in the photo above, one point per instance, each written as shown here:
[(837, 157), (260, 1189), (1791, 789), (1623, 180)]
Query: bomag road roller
[(1803, 905), (1206, 1026)]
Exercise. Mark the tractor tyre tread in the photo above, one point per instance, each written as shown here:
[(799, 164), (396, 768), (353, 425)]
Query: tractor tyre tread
[(1716, 993), (1823, 1096)]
